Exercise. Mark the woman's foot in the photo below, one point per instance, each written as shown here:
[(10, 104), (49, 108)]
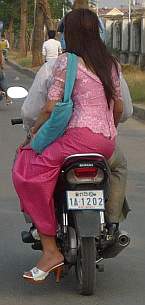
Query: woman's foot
[(51, 260), (47, 262)]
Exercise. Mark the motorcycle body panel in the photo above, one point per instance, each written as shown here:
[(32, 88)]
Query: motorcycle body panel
[(87, 223)]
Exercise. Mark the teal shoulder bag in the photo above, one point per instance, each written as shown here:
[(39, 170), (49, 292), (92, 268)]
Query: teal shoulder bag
[(55, 126)]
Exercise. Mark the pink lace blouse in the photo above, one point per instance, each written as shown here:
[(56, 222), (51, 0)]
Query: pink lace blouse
[(90, 104)]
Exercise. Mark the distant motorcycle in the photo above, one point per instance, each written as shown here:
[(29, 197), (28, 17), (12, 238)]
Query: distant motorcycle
[(80, 197), (2, 94), (5, 54)]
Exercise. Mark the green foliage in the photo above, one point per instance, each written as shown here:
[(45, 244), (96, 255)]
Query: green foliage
[(9, 10), (57, 7)]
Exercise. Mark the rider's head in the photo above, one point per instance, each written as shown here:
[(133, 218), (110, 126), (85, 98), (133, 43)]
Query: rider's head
[(80, 4), (51, 34), (2, 36)]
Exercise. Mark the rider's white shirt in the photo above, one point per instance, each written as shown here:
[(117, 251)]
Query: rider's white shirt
[(51, 49), (37, 95)]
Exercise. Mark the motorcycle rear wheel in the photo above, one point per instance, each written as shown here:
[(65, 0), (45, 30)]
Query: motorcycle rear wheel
[(86, 266)]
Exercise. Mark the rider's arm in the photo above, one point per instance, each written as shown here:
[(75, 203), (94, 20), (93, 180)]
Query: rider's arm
[(8, 45), (118, 103), (59, 49), (44, 51), (117, 111)]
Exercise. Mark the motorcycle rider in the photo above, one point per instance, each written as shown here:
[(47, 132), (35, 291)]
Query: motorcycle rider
[(3, 81), (79, 4), (51, 48), (1, 74), (81, 22), (4, 45)]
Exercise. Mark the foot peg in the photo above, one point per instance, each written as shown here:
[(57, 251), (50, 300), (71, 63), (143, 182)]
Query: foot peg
[(30, 236), (27, 237), (36, 245), (100, 267)]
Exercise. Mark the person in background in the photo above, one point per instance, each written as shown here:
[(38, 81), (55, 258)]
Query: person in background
[(76, 5), (97, 110), (3, 81), (52, 47), (4, 45), (1, 75)]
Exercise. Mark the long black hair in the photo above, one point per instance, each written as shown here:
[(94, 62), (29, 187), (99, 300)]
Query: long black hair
[(82, 37)]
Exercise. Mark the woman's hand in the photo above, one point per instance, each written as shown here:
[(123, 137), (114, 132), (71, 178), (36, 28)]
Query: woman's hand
[(43, 116), (26, 141)]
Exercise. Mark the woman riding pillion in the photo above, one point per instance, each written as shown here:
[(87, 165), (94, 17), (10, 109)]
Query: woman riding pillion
[(92, 128)]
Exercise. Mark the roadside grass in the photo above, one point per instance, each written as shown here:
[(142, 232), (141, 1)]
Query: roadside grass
[(25, 62), (136, 82)]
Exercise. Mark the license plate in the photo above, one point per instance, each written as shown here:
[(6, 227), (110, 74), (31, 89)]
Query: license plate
[(85, 200)]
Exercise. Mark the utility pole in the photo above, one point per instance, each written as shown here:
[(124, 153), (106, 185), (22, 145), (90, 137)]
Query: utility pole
[(129, 25), (129, 11), (63, 11)]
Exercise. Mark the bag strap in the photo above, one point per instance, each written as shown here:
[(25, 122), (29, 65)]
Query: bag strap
[(71, 72)]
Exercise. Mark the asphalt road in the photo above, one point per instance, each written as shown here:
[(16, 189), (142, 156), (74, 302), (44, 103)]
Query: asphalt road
[(123, 281)]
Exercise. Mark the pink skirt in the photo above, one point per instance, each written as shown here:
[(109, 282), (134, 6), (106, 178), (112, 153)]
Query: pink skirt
[(35, 176)]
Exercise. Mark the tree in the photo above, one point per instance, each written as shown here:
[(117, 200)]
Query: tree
[(42, 17), (57, 7), (10, 17), (23, 28), (47, 14)]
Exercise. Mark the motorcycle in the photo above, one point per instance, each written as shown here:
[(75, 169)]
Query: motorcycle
[(13, 92), (80, 197), (5, 54), (2, 94)]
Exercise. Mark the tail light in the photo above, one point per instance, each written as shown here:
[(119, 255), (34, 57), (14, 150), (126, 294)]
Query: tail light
[(85, 172), (85, 175)]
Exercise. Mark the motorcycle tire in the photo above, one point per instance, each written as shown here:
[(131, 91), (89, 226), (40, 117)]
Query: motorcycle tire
[(86, 266)]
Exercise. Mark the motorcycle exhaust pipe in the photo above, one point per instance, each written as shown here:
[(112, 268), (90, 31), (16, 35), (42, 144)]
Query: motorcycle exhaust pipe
[(123, 239), (121, 242)]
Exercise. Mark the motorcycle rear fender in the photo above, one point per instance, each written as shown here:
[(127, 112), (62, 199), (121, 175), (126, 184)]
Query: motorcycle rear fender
[(87, 223)]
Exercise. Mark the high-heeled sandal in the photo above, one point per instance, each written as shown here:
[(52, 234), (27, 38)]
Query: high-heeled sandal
[(38, 276)]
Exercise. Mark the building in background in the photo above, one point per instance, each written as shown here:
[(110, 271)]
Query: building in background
[(125, 31)]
